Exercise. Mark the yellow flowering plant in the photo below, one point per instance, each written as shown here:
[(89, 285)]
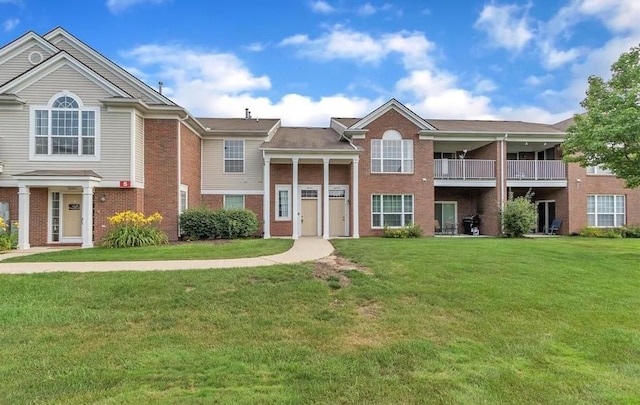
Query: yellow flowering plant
[(8, 235), (130, 229)]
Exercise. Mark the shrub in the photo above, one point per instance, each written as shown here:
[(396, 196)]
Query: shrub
[(130, 229), (8, 235), (197, 223), (590, 232), (205, 223), (519, 216), (631, 231), (411, 231), (235, 223)]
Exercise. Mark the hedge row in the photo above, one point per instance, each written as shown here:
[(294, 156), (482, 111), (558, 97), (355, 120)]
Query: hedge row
[(205, 223)]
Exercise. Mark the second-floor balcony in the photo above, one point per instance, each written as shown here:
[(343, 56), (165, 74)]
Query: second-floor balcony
[(536, 170), (465, 169)]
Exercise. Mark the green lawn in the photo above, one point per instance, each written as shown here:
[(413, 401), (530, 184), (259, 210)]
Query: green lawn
[(438, 320), (231, 249)]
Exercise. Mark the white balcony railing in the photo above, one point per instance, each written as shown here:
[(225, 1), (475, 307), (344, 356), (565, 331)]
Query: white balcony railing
[(465, 169), (536, 170)]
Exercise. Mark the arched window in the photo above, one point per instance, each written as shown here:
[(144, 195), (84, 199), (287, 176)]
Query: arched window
[(65, 127), (392, 154)]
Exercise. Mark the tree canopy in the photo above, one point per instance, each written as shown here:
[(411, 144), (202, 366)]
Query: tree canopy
[(608, 133)]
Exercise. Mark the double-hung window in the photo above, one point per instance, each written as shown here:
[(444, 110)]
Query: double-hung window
[(64, 128), (605, 210), (234, 156), (233, 202), (598, 170), (392, 154), (391, 210), (283, 203)]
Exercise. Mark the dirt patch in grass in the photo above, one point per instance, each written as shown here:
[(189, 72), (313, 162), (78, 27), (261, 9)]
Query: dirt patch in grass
[(333, 268)]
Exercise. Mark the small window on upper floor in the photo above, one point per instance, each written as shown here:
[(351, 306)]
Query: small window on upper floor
[(391, 154), (598, 170), (234, 156), (64, 129)]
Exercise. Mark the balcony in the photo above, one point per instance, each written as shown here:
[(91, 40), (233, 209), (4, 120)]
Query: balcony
[(536, 170), (464, 173)]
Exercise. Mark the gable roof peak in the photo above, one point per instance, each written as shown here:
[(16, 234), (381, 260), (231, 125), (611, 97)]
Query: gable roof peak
[(393, 104)]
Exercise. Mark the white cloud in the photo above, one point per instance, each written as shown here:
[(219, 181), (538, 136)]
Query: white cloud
[(485, 86), (506, 25), (345, 44), (10, 24), (367, 9), (117, 6), (535, 81), (255, 47), (322, 7)]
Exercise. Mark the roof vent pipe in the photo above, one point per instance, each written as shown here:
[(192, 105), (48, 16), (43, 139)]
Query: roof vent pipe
[(160, 84), (247, 114)]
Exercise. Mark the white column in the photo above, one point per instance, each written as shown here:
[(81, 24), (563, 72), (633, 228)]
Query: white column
[(266, 197), (23, 218), (325, 200), (87, 217), (355, 207), (294, 201)]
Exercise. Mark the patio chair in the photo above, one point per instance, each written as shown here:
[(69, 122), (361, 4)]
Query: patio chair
[(437, 227), (555, 225), (450, 228)]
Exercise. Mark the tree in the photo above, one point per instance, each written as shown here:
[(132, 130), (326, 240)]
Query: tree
[(519, 215), (608, 133)]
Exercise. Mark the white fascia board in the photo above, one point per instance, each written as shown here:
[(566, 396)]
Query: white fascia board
[(226, 191), (398, 106), (54, 63), (537, 183), (23, 42), (107, 64), (463, 183)]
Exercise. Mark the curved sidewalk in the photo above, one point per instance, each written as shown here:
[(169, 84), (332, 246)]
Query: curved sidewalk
[(303, 250)]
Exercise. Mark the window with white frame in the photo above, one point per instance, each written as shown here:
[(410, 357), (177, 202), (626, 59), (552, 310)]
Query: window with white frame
[(184, 200), (391, 210), (65, 127), (392, 154), (599, 169), (234, 156), (283, 203), (233, 202), (605, 210)]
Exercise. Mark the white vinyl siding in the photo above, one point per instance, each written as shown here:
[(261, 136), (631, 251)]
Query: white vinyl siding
[(233, 202), (139, 152), (106, 73), (213, 176), (605, 210), (19, 63), (114, 163), (391, 210)]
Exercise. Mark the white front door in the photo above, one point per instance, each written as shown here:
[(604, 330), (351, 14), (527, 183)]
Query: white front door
[(338, 219), (309, 210), (71, 218)]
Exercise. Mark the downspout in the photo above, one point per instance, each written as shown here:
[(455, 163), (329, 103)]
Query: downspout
[(502, 179), (180, 121)]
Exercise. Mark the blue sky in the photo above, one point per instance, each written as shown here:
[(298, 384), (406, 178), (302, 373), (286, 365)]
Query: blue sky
[(305, 61)]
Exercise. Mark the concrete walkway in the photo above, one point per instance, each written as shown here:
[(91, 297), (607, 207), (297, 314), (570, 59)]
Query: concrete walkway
[(303, 250)]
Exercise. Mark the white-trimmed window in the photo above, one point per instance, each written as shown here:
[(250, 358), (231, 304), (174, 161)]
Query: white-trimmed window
[(64, 128), (391, 154), (234, 156), (233, 202), (391, 210), (598, 170), (283, 203), (184, 197), (605, 210)]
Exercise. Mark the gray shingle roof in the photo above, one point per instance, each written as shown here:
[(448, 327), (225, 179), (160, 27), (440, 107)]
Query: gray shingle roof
[(307, 138), (238, 124)]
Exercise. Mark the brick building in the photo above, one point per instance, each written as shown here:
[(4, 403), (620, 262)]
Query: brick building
[(83, 139)]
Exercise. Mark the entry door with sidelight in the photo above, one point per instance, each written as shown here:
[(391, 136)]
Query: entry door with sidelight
[(71, 218), (309, 212), (338, 212)]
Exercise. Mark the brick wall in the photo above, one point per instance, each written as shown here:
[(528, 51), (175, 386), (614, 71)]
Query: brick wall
[(115, 200), (10, 195), (161, 172), (376, 183), (190, 164), (38, 216)]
